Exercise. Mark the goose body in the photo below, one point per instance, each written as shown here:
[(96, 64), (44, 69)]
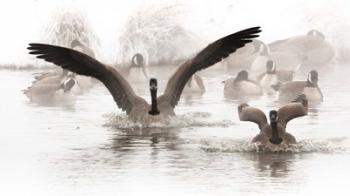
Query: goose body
[(51, 89), (272, 77), (242, 87), (284, 61), (310, 88), (273, 135), (312, 48), (137, 109)]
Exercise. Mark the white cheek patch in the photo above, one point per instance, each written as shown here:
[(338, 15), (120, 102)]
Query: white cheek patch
[(134, 61), (309, 77)]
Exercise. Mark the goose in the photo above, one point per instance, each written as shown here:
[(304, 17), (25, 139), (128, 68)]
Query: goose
[(242, 87), (312, 48), (274, 134), (194, 85), (137, 109), (309, 87), (51, 88), (284, 60), (136, 69), (273, 77), (52, 79), (245, 56)]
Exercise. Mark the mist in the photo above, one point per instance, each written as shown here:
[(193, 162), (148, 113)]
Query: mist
[(25, 21)]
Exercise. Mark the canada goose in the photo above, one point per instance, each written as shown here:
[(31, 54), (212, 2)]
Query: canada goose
[(312, 48), (136, 69), (242, 87), (273, 77), (51, 88), (285, 61), (194, 85), (245, 56), (137, 109), (310, 88), (274, 133)]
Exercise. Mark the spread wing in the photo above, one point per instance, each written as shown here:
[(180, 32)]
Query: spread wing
[(295, 109), (83, 64), (210, 55), (248, 113)]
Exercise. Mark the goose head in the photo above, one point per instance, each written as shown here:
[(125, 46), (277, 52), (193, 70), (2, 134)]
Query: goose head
[(137, 60), (153, 86), (68, 84), (262, 48), (316, 34), (241, 76), (275, 138), (270, 67), (76, 43), (312, 79)]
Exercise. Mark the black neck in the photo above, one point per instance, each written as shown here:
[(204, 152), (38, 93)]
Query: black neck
[(271, 71), (154, 107), (276, 139), (274, 129)]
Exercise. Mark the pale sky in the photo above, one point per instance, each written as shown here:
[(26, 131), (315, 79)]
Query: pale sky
[(23, 21)]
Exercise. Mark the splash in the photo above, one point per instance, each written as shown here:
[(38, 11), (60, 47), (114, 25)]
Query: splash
[(303, 146), (157, 33), (195, 119)]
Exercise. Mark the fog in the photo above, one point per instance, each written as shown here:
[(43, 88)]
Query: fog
[(25, 21)]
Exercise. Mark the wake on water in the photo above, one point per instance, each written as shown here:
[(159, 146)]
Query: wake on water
[(200, 119), (191, 119), (303, 146)]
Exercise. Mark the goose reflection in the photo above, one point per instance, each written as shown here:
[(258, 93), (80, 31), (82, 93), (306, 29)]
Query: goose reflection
[(273, 164)]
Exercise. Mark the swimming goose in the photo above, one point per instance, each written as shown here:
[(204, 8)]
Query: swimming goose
[(137, 109), (51, 88), (242, 87), (194, 85), (310, 88), (136, 70), (273, 77), (285, 61), (274, 134), (312, 48)]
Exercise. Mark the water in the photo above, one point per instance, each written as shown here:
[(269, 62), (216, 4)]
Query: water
[(80, 149)]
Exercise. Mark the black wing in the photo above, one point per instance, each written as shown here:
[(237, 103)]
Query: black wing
[(210, 55), (83, 64)]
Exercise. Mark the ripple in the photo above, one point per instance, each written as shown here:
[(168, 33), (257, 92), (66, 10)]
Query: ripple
[(303, 146), (191, 119)]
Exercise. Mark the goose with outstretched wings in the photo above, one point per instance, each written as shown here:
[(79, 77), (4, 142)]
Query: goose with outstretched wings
[(136, 107)]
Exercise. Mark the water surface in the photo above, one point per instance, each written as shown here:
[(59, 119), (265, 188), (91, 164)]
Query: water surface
[(76, 149)]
